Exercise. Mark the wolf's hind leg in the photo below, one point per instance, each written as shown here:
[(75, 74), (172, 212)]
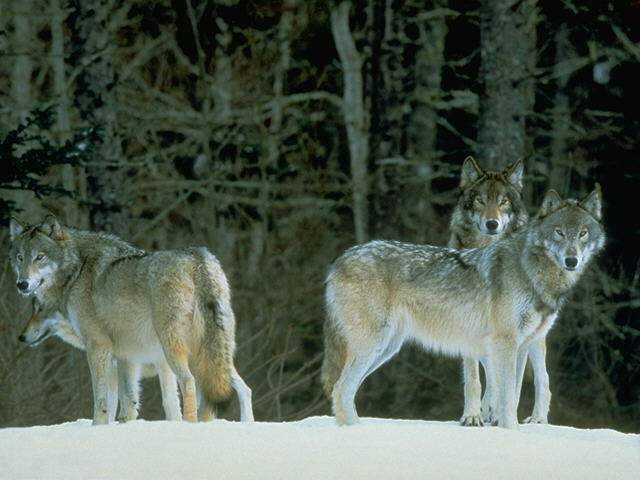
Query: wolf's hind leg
[(244, 396), (537, 354), (178, 360), (393, 345), (472, 414), (169, 389), (128, 390), (360, 362)]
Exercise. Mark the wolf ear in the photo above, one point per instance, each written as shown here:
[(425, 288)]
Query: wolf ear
[(51, 227), (592, 203), (15, 228), (514, 173), (470, 172), (550, 202)]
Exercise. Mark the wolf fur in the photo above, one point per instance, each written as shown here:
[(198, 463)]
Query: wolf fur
[(490, 302), (138, 307), (45, 322), (492, 199)]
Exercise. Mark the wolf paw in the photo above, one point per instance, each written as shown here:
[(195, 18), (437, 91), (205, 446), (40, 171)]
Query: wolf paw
[(472, 421), (535, 419), (488, 417)]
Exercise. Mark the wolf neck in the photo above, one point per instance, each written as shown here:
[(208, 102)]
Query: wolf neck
[(81, 247), (54, 296), (549, 282)]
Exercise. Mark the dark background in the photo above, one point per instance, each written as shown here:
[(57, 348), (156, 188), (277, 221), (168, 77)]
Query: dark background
[(226, 124)]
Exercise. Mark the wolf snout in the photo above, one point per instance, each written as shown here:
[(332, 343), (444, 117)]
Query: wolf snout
[(22, 338), (492, 226), (23, 286), (571, 262)]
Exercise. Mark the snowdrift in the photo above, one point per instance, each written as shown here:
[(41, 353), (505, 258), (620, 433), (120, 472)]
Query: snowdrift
[(315, 448)]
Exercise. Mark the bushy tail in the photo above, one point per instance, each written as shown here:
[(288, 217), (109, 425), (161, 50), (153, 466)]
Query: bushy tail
[(213, 361), (335, 352)]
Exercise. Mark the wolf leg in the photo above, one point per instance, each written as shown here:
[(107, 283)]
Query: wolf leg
[(128, 390), (360, 363), (472, 415), (537, 354), (112, 396), (244, 396), (488, 399), (179, 363), (99, 364), (393, 346), (521, 363), (504, 364), (169, 389)]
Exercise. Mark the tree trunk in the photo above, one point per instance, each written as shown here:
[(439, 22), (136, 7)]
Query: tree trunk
[(23, 41), (355, 116), (559, 175), (96, 100), (423, 127), (506, 29)]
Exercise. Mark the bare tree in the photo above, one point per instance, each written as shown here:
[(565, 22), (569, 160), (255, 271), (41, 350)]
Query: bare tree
[(355, 116)]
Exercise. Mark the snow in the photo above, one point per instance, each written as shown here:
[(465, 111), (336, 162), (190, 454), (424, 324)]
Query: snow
[(315, 448)]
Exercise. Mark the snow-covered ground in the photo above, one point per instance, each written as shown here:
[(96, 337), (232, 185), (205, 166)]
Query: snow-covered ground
[(316, 449)]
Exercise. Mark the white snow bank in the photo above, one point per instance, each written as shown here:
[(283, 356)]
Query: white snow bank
[(316, 449)]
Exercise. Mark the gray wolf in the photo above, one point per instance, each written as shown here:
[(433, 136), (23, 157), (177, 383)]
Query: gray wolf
[(490, 207), (46, 322), (490, 302), (138, 307)]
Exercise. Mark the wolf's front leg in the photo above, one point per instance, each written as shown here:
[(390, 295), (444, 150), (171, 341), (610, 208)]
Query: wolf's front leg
[(100, 366), (472, 390), (504, 359), (488, 407), (537, 354), (521, 363), (128, 390), (112, 395)]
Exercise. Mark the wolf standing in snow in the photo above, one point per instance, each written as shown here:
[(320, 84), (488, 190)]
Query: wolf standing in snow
[(490, 206), (139, 307), (45, 322), (489, 302)]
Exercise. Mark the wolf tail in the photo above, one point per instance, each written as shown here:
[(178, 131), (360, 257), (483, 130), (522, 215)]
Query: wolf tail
[(335, 350), (213, 363)]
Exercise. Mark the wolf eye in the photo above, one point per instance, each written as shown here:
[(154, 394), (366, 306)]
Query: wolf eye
[(504, 202), (479, 201), (559, 232), (583, 233), (19, 257), (39, 257)]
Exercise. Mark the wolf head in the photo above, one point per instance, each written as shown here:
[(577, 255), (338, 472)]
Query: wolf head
[(491, 201), (41, 325), (570, 231), (36, 253)]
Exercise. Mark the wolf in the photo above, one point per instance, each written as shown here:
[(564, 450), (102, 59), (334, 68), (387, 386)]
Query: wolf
[(45, 322), (138, 307), (490, 302), (489, 208)]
